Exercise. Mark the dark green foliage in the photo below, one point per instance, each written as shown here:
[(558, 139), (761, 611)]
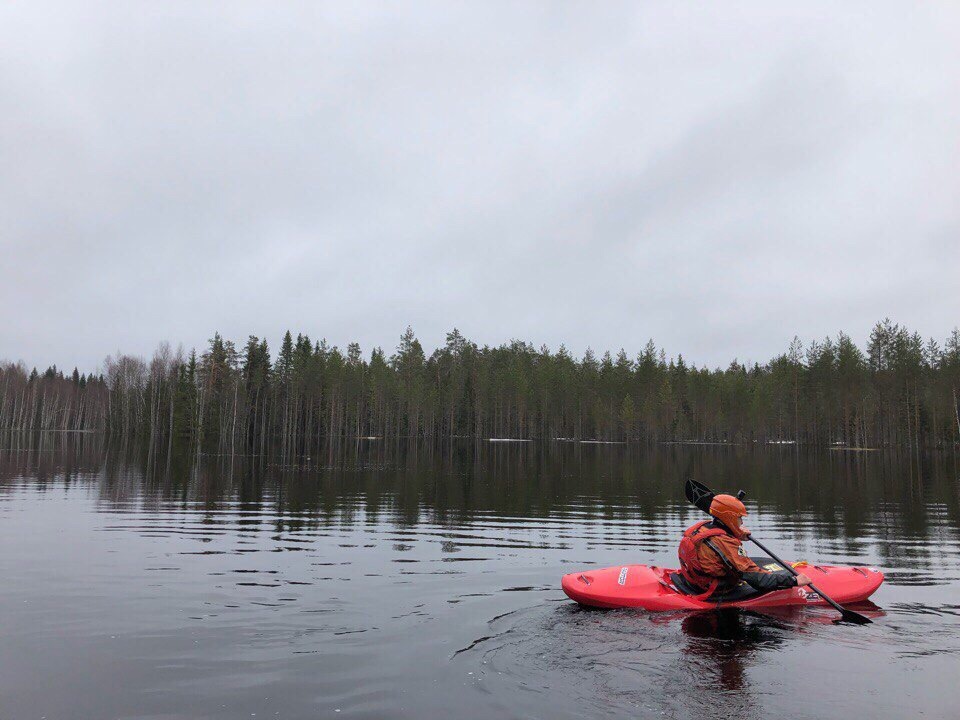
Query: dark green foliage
[(900, 392), (185, 399)]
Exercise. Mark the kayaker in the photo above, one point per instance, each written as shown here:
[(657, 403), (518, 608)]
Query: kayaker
[(712, 558)]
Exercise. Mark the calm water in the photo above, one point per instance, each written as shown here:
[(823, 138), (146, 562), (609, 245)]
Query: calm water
[(423, 582)]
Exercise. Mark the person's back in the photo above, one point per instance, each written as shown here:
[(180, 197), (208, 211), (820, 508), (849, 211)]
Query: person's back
[(712, 557)]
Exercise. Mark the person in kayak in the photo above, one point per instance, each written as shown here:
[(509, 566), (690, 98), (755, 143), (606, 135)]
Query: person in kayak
[(712, 557)]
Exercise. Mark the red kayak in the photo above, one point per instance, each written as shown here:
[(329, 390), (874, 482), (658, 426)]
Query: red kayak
[(655, 588)]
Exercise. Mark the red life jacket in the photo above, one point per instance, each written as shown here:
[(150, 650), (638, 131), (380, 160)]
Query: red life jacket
[(690, 567)]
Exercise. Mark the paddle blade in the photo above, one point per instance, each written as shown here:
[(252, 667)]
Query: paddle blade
[(699, 495), (854, 618)]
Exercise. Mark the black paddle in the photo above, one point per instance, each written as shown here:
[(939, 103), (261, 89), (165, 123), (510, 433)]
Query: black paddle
[(701, 496)]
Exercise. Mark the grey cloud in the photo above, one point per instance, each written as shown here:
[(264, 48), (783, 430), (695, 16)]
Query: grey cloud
[(718, 179)]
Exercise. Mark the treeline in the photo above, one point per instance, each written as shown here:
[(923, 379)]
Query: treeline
[(898, 391), (52, 401)]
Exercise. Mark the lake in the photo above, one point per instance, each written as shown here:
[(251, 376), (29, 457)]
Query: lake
[(386, 580)]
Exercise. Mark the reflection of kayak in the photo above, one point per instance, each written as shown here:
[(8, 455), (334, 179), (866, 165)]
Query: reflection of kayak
[(655, 588)]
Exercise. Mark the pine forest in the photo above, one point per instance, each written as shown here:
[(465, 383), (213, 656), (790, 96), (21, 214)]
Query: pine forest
[(897, 391)]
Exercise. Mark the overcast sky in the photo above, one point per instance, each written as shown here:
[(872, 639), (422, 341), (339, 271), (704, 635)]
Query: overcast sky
[(716, 176)]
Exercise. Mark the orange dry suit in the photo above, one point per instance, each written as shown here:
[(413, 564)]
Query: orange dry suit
[(712, 558)]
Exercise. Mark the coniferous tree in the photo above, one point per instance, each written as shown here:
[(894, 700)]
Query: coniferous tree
[(900, 391)]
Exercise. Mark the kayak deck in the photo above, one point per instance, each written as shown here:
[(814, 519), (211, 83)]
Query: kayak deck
[(651, 588)]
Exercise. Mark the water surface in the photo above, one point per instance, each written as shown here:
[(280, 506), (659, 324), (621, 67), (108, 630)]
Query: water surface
[(417, 581)]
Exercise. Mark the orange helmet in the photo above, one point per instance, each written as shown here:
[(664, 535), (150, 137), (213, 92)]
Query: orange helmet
[(728, 510)]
